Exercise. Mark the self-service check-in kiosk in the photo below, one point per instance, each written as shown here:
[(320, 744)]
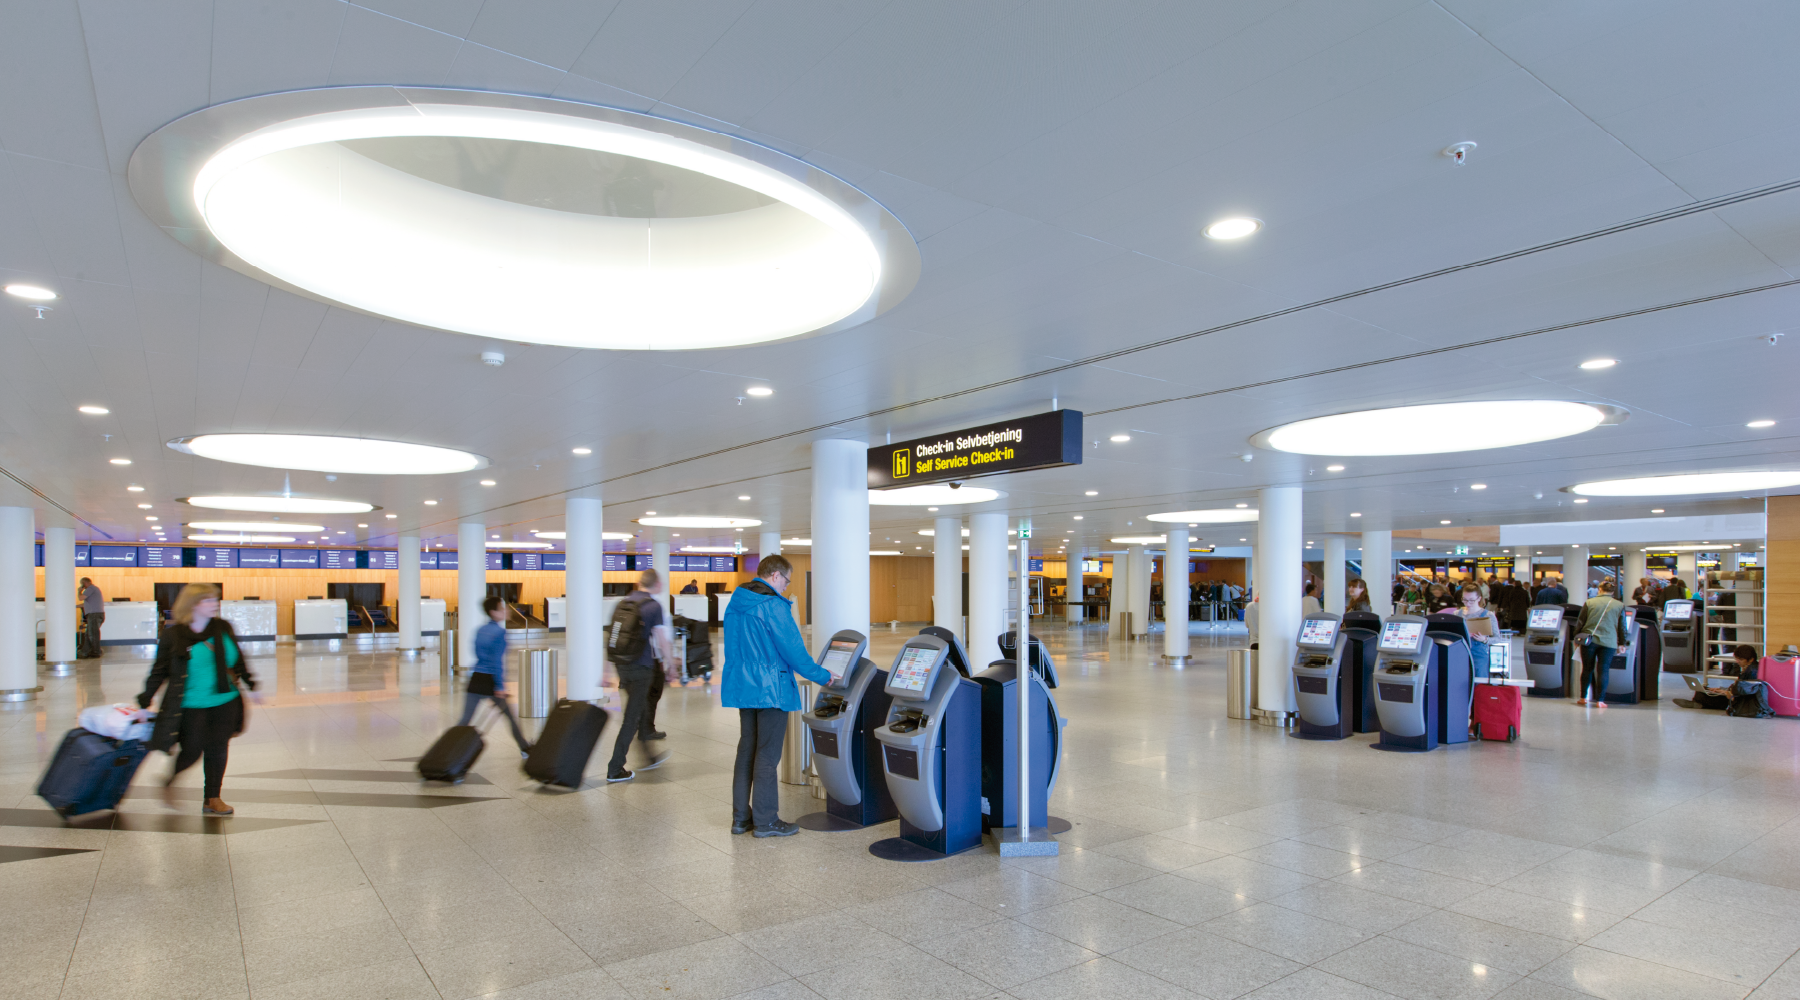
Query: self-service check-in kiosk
[(1000, 736), (931, 748), (955, 655), (1622, 680), (842, 722), (1404, 700), (1546, 650), (1678, 637), (1361, 630), (1453, 675), (1323, 685)]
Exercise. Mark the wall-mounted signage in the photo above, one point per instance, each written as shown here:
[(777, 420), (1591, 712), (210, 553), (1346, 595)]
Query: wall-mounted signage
[(259, 558), (724, 564), (299, 558), (1090, 566), (496, 560), (216, 558), (427, 560), (612, 562), (527, 560), (81, 555), (113, 555), (558, 561), (384, 559), (337, 558), (160, 556), (1037, 565), (1037, 442), (446, 560)]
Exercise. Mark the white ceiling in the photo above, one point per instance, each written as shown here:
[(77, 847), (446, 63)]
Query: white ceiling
[(1055, 161)]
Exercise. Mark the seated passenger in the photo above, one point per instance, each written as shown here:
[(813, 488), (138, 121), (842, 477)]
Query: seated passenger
[(1743, 666)]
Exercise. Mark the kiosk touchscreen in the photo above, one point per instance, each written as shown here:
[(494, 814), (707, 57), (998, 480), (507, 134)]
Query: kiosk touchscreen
[(1678, 636), (1000, 737), (931, 748), (1361, 631), (1322, 682), (842, 720), (1546, 638), (1452, 675), (1403, 697)]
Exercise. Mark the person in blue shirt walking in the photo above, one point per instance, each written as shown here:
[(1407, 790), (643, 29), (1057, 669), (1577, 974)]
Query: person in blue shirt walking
[(763, 651), (488, 680)]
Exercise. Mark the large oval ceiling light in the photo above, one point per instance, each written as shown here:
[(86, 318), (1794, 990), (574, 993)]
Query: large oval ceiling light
[(605, 536), (520, 545), (1704, 482), (323, 453), (253, 526), (935, 495), (700, 521), (1141, 540), (1439, 428), (240, 539), (280, 505), (1221, 516), (524, 218)]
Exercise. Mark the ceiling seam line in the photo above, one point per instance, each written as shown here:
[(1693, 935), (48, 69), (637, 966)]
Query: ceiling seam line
[(41, 495), (572, 489)]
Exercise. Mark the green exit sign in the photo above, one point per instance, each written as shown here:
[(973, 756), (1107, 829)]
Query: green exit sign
[(1461, 550)]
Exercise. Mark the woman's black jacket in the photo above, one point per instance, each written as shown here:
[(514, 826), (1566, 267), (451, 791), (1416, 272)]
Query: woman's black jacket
[(171, 666)]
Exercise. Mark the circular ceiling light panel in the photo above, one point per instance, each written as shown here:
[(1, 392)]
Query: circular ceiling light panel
[(607, 536), (520, 545), (699, 522), (936, 495), (1705, 482), (524, 218), (1439, 428), (240, 539), (1141, 540), (281, 505), (1229, 515), (252, 526), (324, 453)]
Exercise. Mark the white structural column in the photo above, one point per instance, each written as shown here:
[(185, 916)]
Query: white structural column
[(988, 577), (1334, 574), (1278, 548), (840, 538), (59, 597), (1175, 597), (1075, 591), (584, 623), (767, 544), (946, 574), (408, 596), (18, 619), (659, 561), (1636, 567), (1138, 565), (1575, 573), (1687, 566), (1121, 595), (471, 587), (1522, 567), (1378, 570)]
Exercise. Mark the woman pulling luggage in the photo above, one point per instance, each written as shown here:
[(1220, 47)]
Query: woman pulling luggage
[(197, 656)]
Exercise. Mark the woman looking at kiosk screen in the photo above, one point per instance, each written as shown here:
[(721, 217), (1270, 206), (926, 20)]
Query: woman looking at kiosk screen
[(1356, 595), (1482, 626)]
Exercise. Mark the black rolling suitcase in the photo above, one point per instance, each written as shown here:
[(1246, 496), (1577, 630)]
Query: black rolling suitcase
[(560, 756), (450, 758), (89, 772)]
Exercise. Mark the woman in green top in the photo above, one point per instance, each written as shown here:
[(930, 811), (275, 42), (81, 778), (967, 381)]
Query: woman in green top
[(1599, 622), (198, 657)]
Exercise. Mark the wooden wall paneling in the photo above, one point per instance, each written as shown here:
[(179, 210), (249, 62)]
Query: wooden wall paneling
[(914, 583), (884, 585), (1781, 578)]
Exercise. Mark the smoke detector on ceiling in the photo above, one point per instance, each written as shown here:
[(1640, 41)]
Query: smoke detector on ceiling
[(1459, 152), (493, 359)]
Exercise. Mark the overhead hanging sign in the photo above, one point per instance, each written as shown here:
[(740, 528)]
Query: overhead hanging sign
[(1036, 442)]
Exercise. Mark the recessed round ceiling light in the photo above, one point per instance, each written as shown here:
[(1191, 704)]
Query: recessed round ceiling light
[(1704, 482), (431, 503), (152, 518), (1478, 486), (932, 532), (1760, 424), (487, 482), (937, 493), (1230, 515), (253, 526), (1657, 510), (1355, 514), (759, 390), (1443, 522), (1438, 428), (1599, 363), (581, 451), (524, 218), (699, 521), (1092, 493), (1078, 517), (743, 498), (144, 506), (392, 516), (1334, 468), (326, 453), (1119, 438), (1581, 499), (100, 411), (1141, 540), (796, 541), (134, 489), (33, 292), (1234, 228), (362, 525), (120, 461), (240, 538)]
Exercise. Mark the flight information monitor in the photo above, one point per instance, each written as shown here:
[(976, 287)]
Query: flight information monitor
[(1401, 637), (914, 669), (1546, 618), (838, 658), (1677, 611), (1318, 631)]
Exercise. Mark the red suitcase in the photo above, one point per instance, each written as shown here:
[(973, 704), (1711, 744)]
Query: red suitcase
[(1782, 675), (1495, 713)]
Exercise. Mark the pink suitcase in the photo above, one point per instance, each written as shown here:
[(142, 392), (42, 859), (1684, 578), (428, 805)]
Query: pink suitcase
[(1783, 678)]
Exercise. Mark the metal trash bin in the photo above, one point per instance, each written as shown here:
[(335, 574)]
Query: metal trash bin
[(1124, 620), (447, 650), (1240, 684), (537, 682), (796, 749)]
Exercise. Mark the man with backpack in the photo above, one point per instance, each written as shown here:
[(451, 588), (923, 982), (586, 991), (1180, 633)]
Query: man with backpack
[(636, 639), (763, 651)]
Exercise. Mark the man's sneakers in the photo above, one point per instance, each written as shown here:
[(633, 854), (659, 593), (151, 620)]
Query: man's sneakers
[(653, 735), (656, 761), (621, 776), (741, 826), (781, 828)]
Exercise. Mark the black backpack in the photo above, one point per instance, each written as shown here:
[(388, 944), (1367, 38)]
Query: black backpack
[(625, 634)]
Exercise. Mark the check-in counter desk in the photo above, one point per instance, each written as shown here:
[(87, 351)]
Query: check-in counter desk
[(327, 618), (130, 623), (691, 606), (40, 611), (253, 621), (556, 614), (431, 615)]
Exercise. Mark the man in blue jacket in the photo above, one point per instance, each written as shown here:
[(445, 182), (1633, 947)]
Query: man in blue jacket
[(763, 651), (1552, 592)]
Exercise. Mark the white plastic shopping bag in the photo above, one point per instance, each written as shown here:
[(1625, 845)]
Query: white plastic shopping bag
[(116, 722)]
